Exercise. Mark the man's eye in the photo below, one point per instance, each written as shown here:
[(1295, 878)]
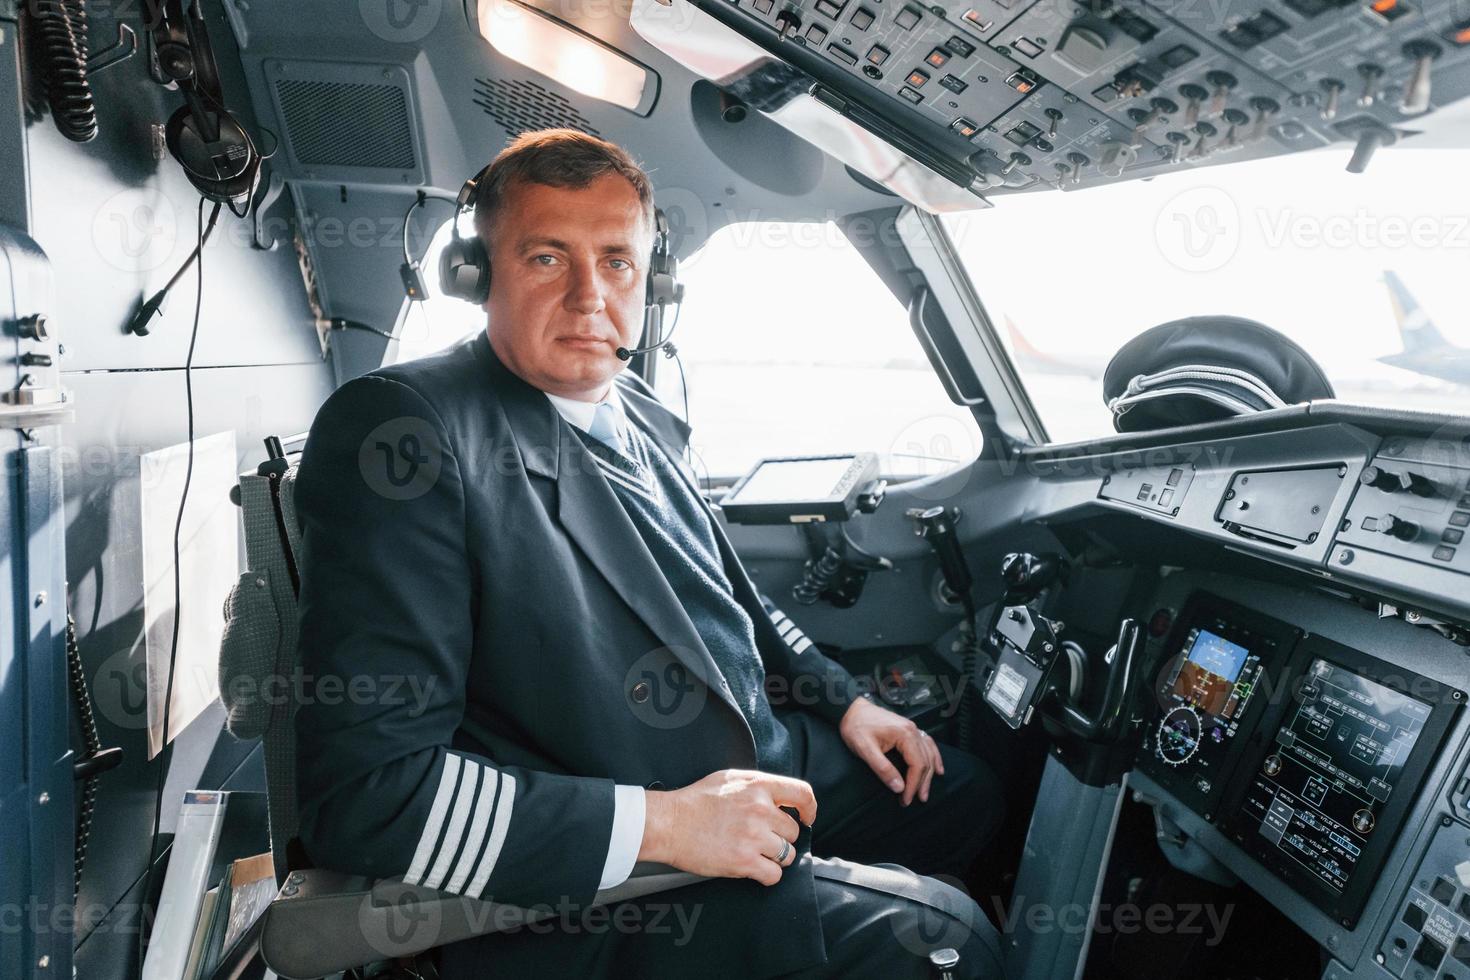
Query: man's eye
[(544, 259), (621, 264)]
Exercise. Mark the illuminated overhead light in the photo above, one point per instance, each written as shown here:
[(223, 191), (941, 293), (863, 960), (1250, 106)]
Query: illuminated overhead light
[(566, 55)]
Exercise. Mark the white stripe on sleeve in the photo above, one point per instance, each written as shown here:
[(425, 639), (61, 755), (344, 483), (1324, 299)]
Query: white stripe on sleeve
[(448, 777), (464, 798), (498, 830), (483, 808)]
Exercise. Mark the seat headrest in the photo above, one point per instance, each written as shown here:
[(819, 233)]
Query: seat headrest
[(1205, 368)]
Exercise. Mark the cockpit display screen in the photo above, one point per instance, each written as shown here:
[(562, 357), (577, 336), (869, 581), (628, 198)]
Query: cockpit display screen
[(794, 479), (1208, 675), (1339, 772), (1208, 697), (1336, 761), (801, 489)]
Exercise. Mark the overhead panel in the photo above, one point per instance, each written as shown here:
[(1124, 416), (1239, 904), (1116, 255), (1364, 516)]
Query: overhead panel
[(1006, 95)]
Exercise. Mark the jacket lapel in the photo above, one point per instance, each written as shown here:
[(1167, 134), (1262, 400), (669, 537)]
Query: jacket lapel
[(672, 434), (594, 518)]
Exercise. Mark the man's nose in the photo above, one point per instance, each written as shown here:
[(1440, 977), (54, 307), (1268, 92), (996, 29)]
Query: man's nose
[(584, 290)]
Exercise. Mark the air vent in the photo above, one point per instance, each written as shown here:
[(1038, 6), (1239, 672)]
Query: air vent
[(342, 124), (521, 106)]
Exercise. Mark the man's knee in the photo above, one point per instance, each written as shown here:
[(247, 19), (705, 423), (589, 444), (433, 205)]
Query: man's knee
[(943, 917), (886, 921)]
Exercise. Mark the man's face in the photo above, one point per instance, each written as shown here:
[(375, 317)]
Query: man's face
[(566, 291)]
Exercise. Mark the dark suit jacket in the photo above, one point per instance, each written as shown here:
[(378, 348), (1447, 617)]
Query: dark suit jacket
[(489, 648)]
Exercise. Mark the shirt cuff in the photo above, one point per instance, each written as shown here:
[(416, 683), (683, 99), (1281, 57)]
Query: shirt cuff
[(629, 812)]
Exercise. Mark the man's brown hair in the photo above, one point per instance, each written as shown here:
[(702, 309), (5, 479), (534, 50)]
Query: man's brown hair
[(556, 158)]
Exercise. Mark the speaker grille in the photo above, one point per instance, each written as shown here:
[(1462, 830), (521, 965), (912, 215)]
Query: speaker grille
[(520, 106), (344, 124)]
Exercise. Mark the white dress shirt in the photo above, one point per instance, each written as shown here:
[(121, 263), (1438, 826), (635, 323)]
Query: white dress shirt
[(629, 804)]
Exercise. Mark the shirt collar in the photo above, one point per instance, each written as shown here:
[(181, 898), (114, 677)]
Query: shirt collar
[(580, 413)]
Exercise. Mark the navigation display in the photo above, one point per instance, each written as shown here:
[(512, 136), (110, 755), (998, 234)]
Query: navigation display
[(1207, 697), (1322, 803), (1336, 762)]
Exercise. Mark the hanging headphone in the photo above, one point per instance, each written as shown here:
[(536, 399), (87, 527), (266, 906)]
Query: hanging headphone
[(464, 265), (218, 156)]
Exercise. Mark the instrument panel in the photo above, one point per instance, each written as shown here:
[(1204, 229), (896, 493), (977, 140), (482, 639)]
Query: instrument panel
[(1223, 669), (1012, 95), (1345, 758), (1305, 752)]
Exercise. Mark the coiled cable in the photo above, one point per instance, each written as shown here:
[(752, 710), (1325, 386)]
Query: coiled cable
[(61, 33), (817, 576)]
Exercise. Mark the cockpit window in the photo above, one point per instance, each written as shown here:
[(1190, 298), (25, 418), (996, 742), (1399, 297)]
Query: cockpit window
[(1367, 272), (792, 345)]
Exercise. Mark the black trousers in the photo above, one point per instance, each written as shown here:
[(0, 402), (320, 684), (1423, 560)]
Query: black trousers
[(878, 920), (860, 819)]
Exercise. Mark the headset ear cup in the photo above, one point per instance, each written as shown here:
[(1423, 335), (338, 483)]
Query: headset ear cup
[(464, 270), (200, 160)]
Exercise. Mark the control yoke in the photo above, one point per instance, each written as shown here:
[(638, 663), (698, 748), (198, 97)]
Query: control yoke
[(1118, 662), (1028, 647)]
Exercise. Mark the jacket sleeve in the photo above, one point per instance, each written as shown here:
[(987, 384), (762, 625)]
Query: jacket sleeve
[(386, 614), (814, 680)]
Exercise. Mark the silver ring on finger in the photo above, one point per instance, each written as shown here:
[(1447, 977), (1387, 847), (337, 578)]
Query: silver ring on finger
[(785, 850)]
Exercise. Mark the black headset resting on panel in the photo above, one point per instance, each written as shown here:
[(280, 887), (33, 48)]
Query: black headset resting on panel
[(217, 154), (464, 265)]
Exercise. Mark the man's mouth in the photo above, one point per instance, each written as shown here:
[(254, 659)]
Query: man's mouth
[(584, 342)]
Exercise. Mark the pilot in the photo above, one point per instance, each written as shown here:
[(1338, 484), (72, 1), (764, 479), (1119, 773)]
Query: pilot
[(533, 659)]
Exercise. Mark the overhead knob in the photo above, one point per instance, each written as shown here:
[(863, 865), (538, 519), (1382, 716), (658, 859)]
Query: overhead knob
[(1194, 96), (1055, 115), (1333, 88), (1368, 74), (1416, 93), (1264, 108), (1221, 83), (1391, 481), (1017, 160), (1398, 527)]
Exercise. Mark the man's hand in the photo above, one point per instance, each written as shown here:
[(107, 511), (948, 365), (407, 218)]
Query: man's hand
[(871, 731), (727, 825)]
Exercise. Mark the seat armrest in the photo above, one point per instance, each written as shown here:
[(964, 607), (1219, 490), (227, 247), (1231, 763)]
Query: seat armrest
[(323, 922)]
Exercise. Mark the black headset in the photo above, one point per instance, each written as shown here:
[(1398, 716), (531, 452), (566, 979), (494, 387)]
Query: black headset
[(464, 265), (217, 154)]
